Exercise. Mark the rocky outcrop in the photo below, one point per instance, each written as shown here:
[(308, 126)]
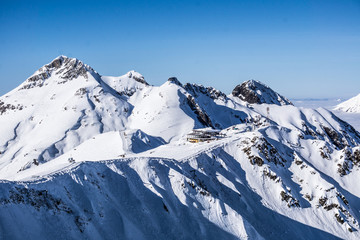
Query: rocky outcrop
[(4, 107), (174, 80), (255, 92), (137, 77), (211, 92), (66, 68), (201, 114)]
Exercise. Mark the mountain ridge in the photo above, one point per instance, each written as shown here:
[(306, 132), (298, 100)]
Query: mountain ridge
[(351, 105), (253, 91), (91, 152)]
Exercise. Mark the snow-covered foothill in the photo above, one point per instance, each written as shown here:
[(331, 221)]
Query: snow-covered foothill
[(352, 105)]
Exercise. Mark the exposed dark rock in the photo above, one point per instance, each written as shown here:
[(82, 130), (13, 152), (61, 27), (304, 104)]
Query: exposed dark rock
[(165, 207), (349, 133), (308, 197), (257, 160), (211, 92), (67, 69), (298, 162), (325, 152), (308, 131), (266, 151), (253, 91), (331, 206), (36, 198), (137, 77), (201, 115), (339, 218), (5, 107), (342, 197), (175, 81), (73, 68), (269, 152), (81, 223), (81, 92), (322, 201), (292, 202), (351, 159), (270, 175), (334, 137)]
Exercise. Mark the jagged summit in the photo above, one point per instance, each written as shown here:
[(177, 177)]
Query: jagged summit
[(195, 89), (175, 81), (253, 91), (70, 64), (62, 67)]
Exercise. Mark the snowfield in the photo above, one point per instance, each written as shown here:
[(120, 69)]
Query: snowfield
[(85, 156), (352, 105)]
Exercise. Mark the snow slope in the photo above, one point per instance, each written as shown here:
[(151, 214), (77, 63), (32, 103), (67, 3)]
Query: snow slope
[(352, 105), (106, 157), (330, 104)]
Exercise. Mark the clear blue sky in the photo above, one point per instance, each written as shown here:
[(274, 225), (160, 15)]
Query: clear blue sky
[(299, 48)]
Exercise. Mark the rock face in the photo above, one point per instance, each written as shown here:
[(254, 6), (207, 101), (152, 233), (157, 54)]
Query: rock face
[(137, 77), (202, 116), (213, 93), (175, 81), (65, 68), (253, 91)]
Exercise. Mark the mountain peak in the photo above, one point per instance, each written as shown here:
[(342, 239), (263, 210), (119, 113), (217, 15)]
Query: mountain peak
[(254, 91), (137, 77), (352, 105), (175, 81), (253, 83), (63, 67), (63, 60)]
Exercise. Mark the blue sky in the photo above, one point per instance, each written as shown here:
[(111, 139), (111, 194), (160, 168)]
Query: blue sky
[(299, 48)]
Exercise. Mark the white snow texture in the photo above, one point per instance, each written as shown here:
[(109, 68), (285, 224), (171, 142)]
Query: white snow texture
[(85, 156)]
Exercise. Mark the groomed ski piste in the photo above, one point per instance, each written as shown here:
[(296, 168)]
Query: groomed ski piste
[(85, 156)]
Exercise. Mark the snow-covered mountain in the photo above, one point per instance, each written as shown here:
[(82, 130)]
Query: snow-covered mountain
[(352, 105), (98, 157), (253, 91)]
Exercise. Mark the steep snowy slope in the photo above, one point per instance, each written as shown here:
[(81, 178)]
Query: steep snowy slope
[(352, 105), (127, 84), (66, 103), (63, 104), (99, 157), (172, 110), (247, 185)]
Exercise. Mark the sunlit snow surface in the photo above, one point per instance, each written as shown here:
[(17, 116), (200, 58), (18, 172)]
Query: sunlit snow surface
[(331, 104), (97, 157)]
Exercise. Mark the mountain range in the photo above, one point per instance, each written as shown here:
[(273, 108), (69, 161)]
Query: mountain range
[(86, 156)]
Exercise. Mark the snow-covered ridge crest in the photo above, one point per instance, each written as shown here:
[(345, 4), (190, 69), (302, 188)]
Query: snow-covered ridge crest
[(102, 149), (253, 91), (62, 67), (137, 77), (175, 81), (352, 105), (195, 89)]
